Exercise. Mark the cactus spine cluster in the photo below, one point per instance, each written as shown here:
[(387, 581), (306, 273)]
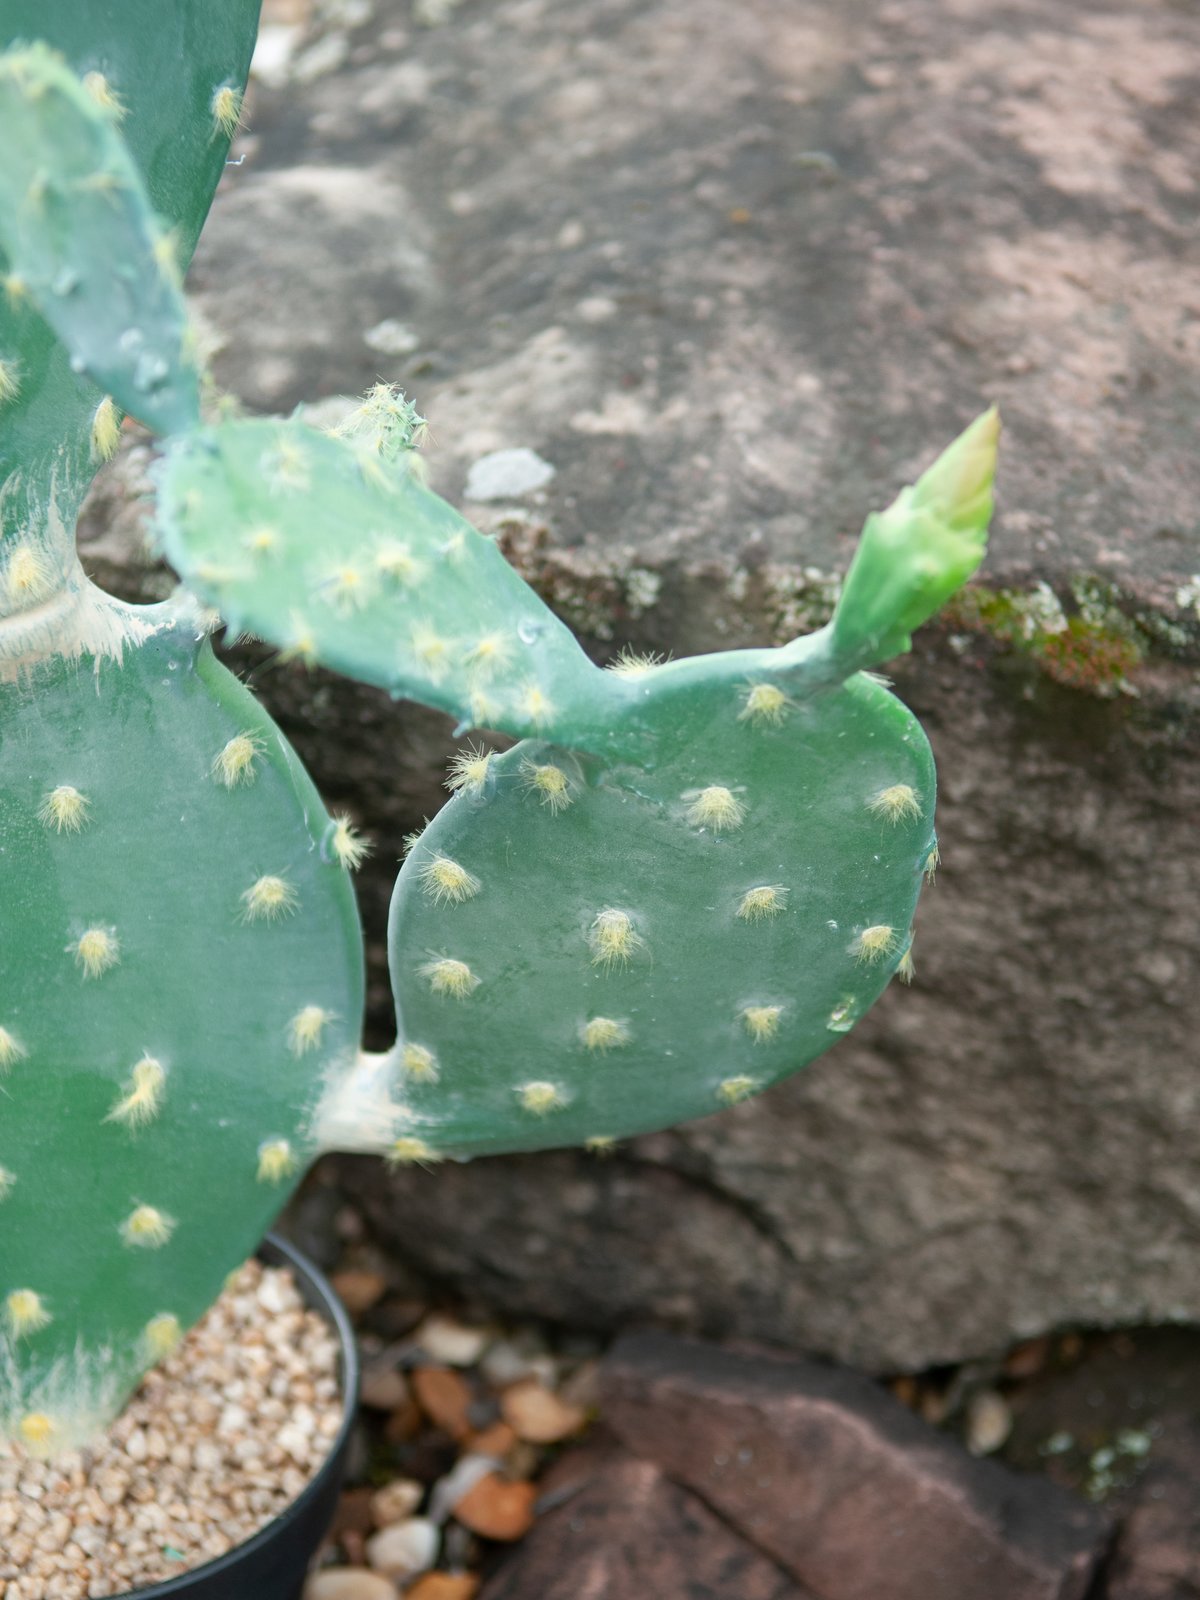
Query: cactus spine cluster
[(684, 882)]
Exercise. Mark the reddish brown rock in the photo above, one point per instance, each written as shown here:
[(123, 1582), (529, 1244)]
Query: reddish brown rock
[(621, 1531), (846, 1488), (1158, 1551)]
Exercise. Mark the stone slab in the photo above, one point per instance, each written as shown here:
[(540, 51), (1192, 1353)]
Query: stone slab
[(847, 1489), (618, 1530)]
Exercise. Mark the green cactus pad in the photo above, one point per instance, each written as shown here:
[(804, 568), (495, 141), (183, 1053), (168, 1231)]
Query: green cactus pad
[(83, 244), (173, 67), (336, 552), (581, 952), (188, 973)]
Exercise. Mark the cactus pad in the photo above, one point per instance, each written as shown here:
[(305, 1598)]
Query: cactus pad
[(583, 952), (333, 548), (187, 975)]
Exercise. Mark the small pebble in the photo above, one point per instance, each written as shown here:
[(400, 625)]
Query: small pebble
[(450, 1343), (383, 1387), (404, 1549), (444, 1397), (395, 1501), (348, 1583), (358, 1290), (498, 1509), (444, 1586), (537, 1415), (507, 475), (989, 1423)]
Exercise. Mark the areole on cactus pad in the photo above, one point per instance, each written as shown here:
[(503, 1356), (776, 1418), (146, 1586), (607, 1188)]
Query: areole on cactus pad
[(685, 882)]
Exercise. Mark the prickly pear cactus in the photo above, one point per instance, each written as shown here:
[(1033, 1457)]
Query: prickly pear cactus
[(684, 883)]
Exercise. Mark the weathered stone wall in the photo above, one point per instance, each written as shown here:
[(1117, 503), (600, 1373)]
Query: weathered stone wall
[(736, 273)]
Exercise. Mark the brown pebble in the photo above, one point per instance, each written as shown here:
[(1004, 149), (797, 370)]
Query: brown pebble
[(404, 1423), (496, 1441), (537, 1415), (358, 1290), (353, 1513), (1028, 1359), (444, 1397), (383, 1388), (444, 1586), (395, 1501), (497, 1509), (348, 1583)]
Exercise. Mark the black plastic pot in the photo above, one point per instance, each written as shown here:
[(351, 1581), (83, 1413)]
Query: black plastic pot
[(272, 1565)]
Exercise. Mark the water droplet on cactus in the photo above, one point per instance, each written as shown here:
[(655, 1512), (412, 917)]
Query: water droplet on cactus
[(529, 631)]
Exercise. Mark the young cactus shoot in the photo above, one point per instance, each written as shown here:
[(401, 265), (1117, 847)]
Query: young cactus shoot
[(683, 884)]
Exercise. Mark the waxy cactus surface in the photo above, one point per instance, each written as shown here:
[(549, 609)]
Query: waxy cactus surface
[(685, 882)]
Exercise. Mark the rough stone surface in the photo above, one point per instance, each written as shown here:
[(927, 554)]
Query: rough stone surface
[(840, 1483), (618, 1530), (1158, 1552), (737, 272)]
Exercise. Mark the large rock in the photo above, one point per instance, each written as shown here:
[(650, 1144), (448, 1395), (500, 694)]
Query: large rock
[(736, 272), (850, 1492), (616, 1529)]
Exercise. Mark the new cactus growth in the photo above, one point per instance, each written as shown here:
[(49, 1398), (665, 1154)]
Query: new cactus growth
[(684, 883)]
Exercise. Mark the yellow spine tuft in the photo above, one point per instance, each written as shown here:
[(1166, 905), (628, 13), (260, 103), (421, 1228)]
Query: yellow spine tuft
[(10, 377), (408, 1150), (765, 705), (105, 96), (535, 705), (305, 1029), (613, 939), (226, 109), (106, 430), (233, 764), (162, 1335), (875, 942), (905, 970), (269, 899), (37, 1432), (762, 1022), (600, 1144), (549, 782), (469, 769), (396, 561), (764, 900), (7, 1180), (604, 1033), (25, 1313), (350, 847), (96, 951), (932, 862), (16, 290), (276, 1161), (11, 1050), (446, 976), (489, 653), (29, 572), (539, 1097), (898, 803), (632, 663), (731, 1090), (346, 587), (147, 1227), (419, 1063), (143, 1097), (443, 878), (301, 645), (64, 809), (263, 540), (717, 808), (430, 649)]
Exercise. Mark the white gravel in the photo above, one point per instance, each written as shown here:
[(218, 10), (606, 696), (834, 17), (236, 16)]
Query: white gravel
[(216, 1442)]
